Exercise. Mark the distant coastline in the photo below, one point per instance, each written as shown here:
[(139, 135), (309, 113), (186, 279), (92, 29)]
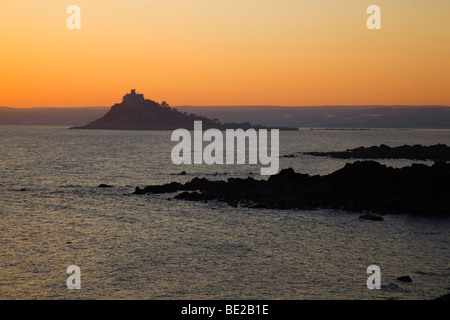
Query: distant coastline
[(305, 118)]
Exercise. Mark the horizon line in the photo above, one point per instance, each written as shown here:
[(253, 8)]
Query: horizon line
[(252, 106)]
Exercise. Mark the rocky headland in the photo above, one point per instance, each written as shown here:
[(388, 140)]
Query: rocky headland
[(363, 186), (415, 152)]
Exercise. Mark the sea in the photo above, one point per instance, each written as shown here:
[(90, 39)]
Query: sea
[(53, 215)]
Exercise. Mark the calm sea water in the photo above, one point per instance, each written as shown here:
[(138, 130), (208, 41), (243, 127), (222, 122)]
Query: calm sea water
[(147, 247)]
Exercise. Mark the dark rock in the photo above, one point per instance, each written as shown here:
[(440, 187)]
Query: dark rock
[(445, 297), (104, 186), (139, 191), (233, 203), (166, 188), (182, 173), (23, 189), (404, 279), (371, 217), (417, 152), (191, 196), (362, 186)]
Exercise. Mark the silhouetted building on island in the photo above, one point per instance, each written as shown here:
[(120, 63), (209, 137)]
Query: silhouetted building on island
[(133, 97), (137, 113)]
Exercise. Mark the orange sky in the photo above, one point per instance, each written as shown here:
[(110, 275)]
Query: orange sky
[(224, 52)]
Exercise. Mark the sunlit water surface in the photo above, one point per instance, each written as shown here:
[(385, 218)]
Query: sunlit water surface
[(146, 247)]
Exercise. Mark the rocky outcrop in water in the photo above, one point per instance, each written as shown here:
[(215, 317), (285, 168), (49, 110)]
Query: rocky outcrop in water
[(404, 279), (360, 186), (103, 185), (415, 152)]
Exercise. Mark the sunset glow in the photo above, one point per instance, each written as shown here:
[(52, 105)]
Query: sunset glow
[(226, 52)]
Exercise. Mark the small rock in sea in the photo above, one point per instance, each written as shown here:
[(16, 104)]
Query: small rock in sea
[(139, 191), (404, 279), (371, 217), (104, 186), (169, 199), (183, 173), (23, 189), (68, 242)]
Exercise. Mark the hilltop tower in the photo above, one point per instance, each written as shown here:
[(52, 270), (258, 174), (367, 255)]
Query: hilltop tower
[(133, 97)]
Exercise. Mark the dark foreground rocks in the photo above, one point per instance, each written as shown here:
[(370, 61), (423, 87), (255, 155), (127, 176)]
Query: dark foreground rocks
[(360, 186), (415, 152)]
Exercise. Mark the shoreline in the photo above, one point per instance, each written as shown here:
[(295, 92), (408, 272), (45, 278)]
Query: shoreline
[(363, 186)]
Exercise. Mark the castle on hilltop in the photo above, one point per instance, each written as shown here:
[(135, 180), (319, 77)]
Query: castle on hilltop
[(133, 97), (137, 113)]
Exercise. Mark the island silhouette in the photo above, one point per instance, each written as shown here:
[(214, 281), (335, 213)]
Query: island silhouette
[(137, 113)]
